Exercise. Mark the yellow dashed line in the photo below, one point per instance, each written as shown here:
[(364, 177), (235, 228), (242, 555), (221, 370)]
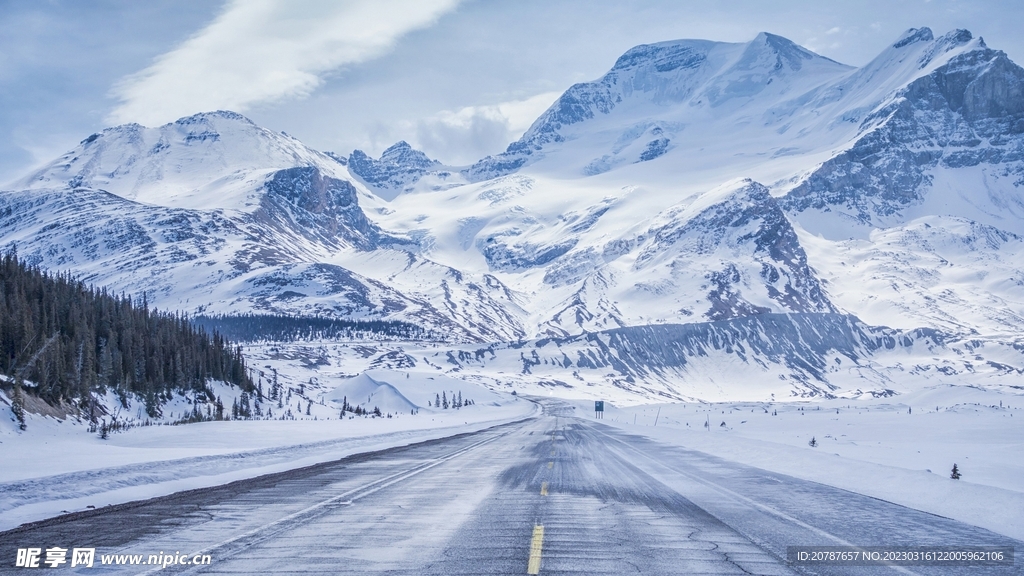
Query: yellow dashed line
[(543, 488), (533, 567), (550, 465)]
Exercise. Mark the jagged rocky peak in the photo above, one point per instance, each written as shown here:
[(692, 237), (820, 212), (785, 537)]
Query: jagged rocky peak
[(402, 154), (961, 106), (398, 166), (398, 156)]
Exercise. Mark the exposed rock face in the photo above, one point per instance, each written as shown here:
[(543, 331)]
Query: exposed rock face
[(398, 168), (968, 111), (749, 221), (802, 350), (322, 208)]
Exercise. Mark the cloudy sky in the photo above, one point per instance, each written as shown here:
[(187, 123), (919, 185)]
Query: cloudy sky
[(459, 79)]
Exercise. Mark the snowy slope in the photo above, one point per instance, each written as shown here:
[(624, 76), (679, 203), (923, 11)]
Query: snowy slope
[(210, 160), (664, 97)]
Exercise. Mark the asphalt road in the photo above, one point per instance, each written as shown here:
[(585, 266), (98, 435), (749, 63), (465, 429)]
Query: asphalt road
[(549, 495)]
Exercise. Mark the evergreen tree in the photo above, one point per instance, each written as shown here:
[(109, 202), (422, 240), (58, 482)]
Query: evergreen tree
[(18, 405), (444, 400), (813, 443), (955, 474), (244, 410)]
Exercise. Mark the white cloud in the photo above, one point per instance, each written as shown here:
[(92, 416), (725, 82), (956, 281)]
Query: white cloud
[(263, 51), (468, 134)]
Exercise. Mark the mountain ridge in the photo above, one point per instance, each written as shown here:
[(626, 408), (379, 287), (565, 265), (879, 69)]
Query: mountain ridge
[(695, 183)]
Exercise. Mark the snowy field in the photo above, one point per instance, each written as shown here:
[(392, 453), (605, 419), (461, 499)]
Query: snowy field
[(900, 449), (57, 466)]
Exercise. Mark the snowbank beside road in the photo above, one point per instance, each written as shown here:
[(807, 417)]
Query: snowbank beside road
[(55, 467)]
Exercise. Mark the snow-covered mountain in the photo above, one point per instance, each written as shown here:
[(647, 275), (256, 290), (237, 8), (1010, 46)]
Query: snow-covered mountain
[(705, 212), (399, 169), (666, 96), (213, 214)]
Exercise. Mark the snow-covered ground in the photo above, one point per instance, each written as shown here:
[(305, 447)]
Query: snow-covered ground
[(897, 449), (57, 466)]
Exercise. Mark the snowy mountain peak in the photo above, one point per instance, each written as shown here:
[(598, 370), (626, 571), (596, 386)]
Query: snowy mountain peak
[(208, 160), (214, 117), (635, 112), (787, 54), (913, 35), (953, 123), (664, 56), (398, 156), (400, 166)]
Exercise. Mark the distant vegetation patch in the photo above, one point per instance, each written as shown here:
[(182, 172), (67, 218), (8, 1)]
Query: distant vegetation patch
[(280, 328)]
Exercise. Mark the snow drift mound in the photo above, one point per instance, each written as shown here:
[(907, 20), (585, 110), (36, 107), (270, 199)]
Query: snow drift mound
[(368, 393)]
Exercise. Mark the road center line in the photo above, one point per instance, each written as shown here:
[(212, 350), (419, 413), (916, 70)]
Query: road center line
[(543, 488), (536, 543)]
